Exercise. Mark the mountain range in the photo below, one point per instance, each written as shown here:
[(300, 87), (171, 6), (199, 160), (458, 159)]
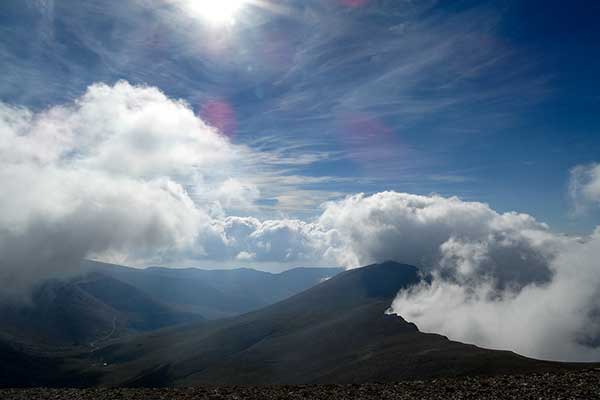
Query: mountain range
[(335, 332), (108, 301), (214, 293)]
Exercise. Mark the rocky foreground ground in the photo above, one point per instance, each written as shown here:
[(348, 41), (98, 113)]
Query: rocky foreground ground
[(570, 385)]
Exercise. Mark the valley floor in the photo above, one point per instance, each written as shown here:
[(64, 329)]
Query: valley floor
[(583, 384)]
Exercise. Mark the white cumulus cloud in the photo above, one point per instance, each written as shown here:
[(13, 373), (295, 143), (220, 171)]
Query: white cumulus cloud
[(558, 320), (280, 240), (415, 229), (500, 280), (105, 175), (126, 173)]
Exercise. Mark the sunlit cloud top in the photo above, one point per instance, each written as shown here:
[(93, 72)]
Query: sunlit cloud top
[(426, 97)]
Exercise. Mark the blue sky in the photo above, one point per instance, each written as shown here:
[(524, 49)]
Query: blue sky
[(316, 133), (489, 101)]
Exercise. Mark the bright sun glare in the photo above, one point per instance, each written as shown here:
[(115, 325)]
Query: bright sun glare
[(217, 12)]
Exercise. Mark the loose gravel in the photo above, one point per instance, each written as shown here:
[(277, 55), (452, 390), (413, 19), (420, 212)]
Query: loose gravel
[(584, 385)]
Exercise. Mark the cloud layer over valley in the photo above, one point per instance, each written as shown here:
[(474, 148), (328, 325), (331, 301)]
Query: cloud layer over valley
[(108, 174), (126, 174)]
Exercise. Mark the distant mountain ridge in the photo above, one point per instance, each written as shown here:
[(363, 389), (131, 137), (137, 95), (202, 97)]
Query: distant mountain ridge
[(215, 293), (335, 332), (109, 301)]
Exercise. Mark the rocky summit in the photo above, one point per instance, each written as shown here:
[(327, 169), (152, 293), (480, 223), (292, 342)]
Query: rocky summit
[(580, 385)]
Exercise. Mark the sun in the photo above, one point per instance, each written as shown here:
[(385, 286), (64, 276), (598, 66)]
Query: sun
[(217, 12)]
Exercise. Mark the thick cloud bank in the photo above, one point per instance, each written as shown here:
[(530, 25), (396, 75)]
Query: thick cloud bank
[(465, 239), (558, 320), (104, 175), (499, 280), (282, 240), (126, 174)]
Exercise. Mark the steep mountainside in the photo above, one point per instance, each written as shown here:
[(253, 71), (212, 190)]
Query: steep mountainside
[(54, 339), (335, 332), (85, 311), (110, 301), (23, 365)]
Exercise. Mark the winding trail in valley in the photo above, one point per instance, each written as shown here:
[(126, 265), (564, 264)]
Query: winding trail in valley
[(94, 344)]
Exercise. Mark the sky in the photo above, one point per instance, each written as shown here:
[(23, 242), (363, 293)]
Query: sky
[(460, 137), (490, 101)]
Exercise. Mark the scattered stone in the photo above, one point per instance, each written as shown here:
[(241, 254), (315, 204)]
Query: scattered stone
[(576, 385)]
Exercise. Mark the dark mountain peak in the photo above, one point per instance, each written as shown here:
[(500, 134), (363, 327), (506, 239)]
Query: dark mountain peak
[(336, 331), (382, 280), (392, 264), (387, 278), (374, 285)]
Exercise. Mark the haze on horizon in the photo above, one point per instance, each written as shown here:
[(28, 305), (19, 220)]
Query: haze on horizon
[(459, 137)]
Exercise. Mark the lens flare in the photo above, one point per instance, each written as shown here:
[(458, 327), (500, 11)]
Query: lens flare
[(221, 115)]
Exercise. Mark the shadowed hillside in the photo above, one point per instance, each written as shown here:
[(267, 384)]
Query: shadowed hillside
[(215, 293), (84, 311), (110, 301), (335, 332)]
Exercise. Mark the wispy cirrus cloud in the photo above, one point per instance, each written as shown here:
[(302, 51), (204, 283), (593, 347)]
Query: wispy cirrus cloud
[(584, 187), (127, 174), (105, 174), (303, 74)]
